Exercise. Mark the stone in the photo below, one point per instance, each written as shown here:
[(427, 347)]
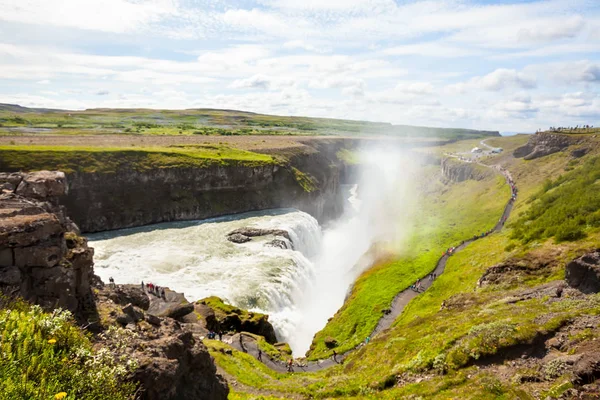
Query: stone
[(583, 273), (254, 232), (238, 238), (43, 185), (7, 258), (153, 319), (124, 319), (38, 256), (178, 310), (10, 276), (130, 310)]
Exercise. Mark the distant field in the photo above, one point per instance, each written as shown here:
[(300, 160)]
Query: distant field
[(16, 120)]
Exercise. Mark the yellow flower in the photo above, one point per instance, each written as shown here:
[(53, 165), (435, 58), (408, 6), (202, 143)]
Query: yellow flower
[(52, 341), (61, 395)]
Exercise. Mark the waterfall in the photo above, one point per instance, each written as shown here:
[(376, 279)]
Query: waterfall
[(300, 286), (197, 259)]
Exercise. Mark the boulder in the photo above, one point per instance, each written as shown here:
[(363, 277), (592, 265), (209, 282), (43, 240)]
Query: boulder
[(280, 244), (43, 185), (583, 273), (176, 311), (238, 238), (131, 311), (9, 181), (249, 232), (125, 294)]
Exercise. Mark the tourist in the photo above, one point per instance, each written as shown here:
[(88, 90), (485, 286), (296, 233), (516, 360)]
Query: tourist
[(334, 356), (220, 335), (259, 355), (290, 365), (367, 340), (143, 285)]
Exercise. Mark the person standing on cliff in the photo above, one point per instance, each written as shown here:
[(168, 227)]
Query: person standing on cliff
[(259, 355)]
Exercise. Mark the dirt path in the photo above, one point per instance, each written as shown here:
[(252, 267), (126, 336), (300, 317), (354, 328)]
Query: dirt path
[(396, 308)]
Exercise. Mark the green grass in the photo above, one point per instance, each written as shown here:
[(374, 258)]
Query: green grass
[(110, 159), (443, 220), (45, 355), (565, 208)]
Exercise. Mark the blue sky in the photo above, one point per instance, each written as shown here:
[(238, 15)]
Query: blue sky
[(507, 65)]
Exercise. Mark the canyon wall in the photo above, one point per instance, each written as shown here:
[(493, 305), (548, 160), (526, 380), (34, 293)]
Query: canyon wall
[(42, 259), (307, 179), (457, 171)]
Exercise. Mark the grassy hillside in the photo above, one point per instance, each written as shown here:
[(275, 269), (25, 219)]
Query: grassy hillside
[(19, 120), (483, 343), (446, 216)]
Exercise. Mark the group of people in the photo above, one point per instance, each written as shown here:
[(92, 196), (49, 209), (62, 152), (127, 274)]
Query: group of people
[(213, 335), (154, 289), (567, 129)]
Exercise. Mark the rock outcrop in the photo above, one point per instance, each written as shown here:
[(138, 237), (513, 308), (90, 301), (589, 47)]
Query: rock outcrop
[(42, 258), (219, 316), (458, 171), (543, 144), (171, 361), (583, 273), (245, 234)]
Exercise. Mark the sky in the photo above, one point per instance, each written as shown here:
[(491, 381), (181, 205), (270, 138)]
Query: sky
[(508, 65)]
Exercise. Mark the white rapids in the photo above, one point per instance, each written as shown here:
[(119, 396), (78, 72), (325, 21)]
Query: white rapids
[(197, 259)]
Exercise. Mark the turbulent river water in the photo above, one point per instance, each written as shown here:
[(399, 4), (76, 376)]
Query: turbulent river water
[(196, 258), (300, 287)]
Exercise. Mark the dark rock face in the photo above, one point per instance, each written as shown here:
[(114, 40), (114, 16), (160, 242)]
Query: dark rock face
[(543, 144), (458, 171), (583, 273), (172, 362), (181, 368), (37, 262), (128, 198)]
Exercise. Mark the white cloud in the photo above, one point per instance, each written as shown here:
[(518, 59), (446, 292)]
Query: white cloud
[(107, 15), (497, 80)]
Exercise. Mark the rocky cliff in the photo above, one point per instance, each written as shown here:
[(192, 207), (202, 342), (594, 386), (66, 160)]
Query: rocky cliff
[(307, 179), (42, 259), (543, 144), (457, 171)]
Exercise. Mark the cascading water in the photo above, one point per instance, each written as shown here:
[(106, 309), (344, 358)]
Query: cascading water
[(197, 259), (299, 288)]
